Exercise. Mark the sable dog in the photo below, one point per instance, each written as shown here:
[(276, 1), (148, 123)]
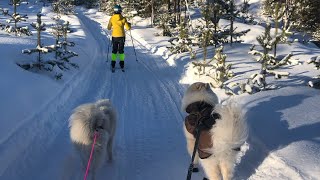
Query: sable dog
[(224, 130), (87, 119)]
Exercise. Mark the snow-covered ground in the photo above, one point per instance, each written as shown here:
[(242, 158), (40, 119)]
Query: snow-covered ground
[(284, 141)]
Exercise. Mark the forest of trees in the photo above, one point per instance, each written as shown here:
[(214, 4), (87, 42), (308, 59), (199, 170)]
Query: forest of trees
[(304, 14), (187, 34)]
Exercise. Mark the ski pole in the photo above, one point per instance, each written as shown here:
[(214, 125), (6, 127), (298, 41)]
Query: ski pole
[(133, 46), (109, 49)]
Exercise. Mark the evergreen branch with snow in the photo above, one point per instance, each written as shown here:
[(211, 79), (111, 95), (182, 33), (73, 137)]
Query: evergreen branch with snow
[(315, 82), (269, 63), (315, 61)]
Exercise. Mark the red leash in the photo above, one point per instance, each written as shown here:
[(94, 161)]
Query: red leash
[(90, 158)]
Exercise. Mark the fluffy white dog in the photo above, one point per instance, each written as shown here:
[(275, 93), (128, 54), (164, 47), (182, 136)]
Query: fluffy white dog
[(221, 141), (87, 119)]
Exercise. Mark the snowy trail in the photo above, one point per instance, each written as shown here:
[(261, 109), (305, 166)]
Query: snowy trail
[(147, 118)]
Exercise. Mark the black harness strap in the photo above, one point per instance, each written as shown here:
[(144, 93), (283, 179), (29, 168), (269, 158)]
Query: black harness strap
[(196, 144)]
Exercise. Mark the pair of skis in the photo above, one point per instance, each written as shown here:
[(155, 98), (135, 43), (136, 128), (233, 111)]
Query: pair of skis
[(114, 69)]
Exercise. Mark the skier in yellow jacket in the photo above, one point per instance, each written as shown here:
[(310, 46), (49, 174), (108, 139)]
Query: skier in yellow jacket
[(117, 23)]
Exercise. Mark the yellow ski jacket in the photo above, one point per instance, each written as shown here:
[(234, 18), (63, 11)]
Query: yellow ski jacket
[(117, 22)]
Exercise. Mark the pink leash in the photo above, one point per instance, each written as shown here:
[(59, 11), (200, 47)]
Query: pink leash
[(90, 158)]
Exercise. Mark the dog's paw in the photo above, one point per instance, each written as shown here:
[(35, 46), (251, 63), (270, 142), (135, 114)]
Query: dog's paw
[(195, 169)]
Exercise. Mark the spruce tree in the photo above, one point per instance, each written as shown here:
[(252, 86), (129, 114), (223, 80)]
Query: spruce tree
[(15, 19), (60, 31), (244, 14), (164, 24), (40, 49), (183, 42), (220, 71), (268, 61), (62, 54)]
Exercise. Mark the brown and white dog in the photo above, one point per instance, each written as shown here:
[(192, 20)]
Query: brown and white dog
[(87, 119), (226, 130)]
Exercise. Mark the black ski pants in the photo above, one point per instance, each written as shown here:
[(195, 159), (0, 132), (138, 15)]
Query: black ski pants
[(118, 45)]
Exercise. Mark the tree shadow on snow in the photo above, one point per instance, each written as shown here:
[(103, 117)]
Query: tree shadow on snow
[(269, 131)]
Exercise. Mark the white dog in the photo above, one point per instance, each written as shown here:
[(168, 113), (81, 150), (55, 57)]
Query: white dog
[(224, 137), (87, 119)]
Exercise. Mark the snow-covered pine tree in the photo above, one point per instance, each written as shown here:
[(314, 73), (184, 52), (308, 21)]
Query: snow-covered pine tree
[(220, 71), (231, 13), (57, 31), (207, 27), (60, 31), (42, 64), (183, 42), (15, 18), (63, 53), (165, 20), (244, 8), (63, 6), (204, 41), (213, 11), (315, 82), (205, 37), (280, 15), (165, 25), (40, 49), (244, 16), (268, 61)]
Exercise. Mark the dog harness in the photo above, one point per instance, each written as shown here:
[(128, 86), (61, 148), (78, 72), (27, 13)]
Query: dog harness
[(201, 117)]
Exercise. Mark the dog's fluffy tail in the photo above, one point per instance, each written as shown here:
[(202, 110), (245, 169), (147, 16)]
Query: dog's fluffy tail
[(231, 130)]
